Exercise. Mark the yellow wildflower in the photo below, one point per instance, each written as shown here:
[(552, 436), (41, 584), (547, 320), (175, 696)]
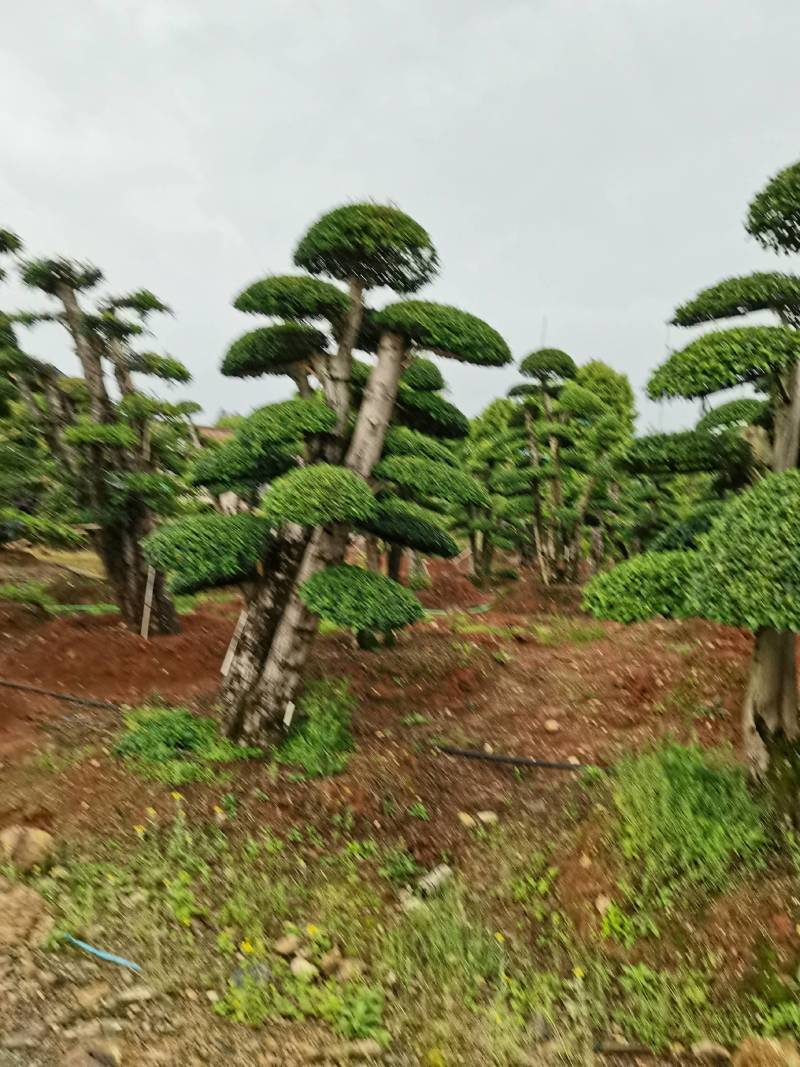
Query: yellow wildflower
[(246, 948), (151, 812), (139, 829), (579, 972), (499, 938), (218, 810), (312, 930), (176, 796)]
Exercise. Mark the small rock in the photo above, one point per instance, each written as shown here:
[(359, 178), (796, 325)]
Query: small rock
[(330, 961), (552, 726), (83, 1031), (25, 846), (287, 946), (487, 748), (488, 818), (304, 969), (212, 996), (585, 861), (435, 879), (94, 763), (574, 761), (710, 1052), (349, 970), (137, 994), (23, 917), (191, 994), (766, 1052), (30, 1037), (90, 997), (365, 1049), (602, 903), (410, 903), (466, 820)]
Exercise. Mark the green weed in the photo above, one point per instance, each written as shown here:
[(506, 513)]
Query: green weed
[(321, 741), (560, 630)]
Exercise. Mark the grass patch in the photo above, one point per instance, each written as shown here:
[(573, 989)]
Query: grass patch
[(321, 742), (560, 630), (173, 746)]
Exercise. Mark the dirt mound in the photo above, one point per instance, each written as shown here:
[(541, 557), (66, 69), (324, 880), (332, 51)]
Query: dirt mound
[(451, 587)]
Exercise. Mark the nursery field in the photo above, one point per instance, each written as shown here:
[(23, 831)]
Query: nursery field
[(358, 895)]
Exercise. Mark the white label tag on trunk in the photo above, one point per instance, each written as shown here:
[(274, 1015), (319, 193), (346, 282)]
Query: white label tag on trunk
[(288, 715)]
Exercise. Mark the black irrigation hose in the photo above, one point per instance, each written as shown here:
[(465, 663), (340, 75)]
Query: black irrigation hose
[(59, 696), (515, 761)]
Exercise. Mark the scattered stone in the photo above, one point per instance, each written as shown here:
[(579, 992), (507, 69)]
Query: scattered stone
[(365, 1049), (602, 903), (84, 1030), (487, 748), (766, 1052), (330, 961), (304, 969), (212, 996), (574, 761), (710, 1052), (90, 997), (411, 903), (466, 820), (552, 726), (287, 946), (23, 917), (30, 1037), (488, 818), (350, 970), (435, 879), (191, 994), (94, 763), (585, 861), (25, 846), (128, 998)]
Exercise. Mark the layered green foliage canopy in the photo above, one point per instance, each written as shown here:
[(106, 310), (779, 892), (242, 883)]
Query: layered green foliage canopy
[(374, 244), (430, 478), (209, 549), (651, 584), (447, 331), (403, 441), (272, 350), (548, 364), (317, 495), (725, 359), (742, 295), (430, 413), (688, 452), (49, 274), (289, 420), (745, 411), (774, 215), (405, 523), (166, 367), (361, 599), (293, 297), (423, 375)]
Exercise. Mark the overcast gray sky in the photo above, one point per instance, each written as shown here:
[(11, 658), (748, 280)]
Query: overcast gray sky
[(587, 161)]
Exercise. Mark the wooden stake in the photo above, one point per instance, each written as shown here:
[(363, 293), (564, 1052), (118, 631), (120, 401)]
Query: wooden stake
[(234, 641), (148, 603)]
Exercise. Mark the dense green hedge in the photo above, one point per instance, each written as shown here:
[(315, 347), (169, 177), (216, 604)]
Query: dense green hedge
[(447, 331), (205, 550), (748, 570), (361, 599), (686, 533), (272, 350), (318, 495), (641, 588), (293, 297), (405, 523)]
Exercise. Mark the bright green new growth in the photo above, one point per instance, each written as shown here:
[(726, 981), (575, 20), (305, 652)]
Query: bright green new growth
[(446, 331), (405, 523), (374, 244), (655, 583), (272, 350), (293, 297), (207, 550), (320, 741), (318, 495), (430, 413), (166, 367), (774, 215), (687, 452), (431, 479), (402, 441), (742, 295), (748, 570), (548, 364), (742, 412), (423, 375), (88, 432), (724, 359), (353, 597)]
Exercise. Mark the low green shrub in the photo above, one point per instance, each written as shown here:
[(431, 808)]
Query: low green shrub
[(641, 588), (320, 742)]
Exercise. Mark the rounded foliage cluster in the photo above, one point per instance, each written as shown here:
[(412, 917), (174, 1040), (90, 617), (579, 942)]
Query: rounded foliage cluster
[(579, 402), (430, 413), (686, 533), (233, 467), (272, 350), (739, 296), (361, 599), (374, 244), (548, 364), (49, 274), (9, 242), (774, 215), (205, 550), (640, 588), (287, 421), (402, 441), (742, 412), (423, 375), (724, 359), (293, 297), (748, 569), (166, 367), (402, 522), (429, 478), (318, 495), (90, 432), (447, 331), (688, 452)]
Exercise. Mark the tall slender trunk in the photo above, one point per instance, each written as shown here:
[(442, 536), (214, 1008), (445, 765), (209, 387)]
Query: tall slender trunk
[(538, 533), (120, 549)]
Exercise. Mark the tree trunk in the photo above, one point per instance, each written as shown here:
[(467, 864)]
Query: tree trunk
[(373, 553), (394, 562), (90, 362), (538, 534), (119, 547)]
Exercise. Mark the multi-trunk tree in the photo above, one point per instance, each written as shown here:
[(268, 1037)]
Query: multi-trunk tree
[(323, 455), (745, 572), (116, 449)]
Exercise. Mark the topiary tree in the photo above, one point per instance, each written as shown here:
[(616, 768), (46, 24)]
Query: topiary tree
[(118, 455), (321, 450)]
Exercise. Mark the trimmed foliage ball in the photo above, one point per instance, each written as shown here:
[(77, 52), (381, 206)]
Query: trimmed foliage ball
[(423, 375), (374, 244), (404, 523), (748, 569), (285, 422), (735, 413), (688, 452), (430, 413), (640, 588), (318, 495), (428, 478), (361, 599), (232, 466), (293, 297), (548, 364), (447, 331), (9, 242), (774, 215), (205, 550), (402, 441), (89, 432), (767, 290), (166, 367), (724, 359), (272, 350)]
